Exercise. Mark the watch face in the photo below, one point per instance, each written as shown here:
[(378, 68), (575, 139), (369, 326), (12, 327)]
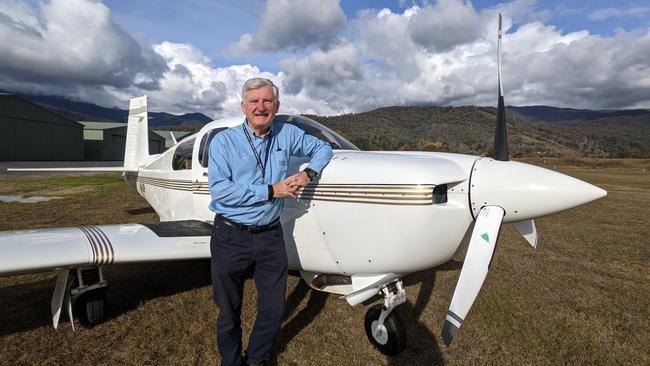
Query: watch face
[(310, 173)]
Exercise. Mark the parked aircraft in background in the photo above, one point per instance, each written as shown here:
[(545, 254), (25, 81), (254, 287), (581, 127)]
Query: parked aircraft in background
[(370, 219)]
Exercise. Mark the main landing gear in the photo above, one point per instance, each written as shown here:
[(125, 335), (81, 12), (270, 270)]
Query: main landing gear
[(384, 328), (88, 294)]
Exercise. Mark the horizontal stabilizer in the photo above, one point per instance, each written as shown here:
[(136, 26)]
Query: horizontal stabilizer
[(117, 169)]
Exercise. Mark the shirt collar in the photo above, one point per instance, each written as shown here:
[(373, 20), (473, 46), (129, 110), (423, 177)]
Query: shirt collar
[(252, 133)]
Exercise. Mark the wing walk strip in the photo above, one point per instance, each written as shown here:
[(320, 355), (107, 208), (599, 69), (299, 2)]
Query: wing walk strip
[(383, 194), (101, 246)]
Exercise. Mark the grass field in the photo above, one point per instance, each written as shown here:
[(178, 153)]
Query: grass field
[(583, 297)]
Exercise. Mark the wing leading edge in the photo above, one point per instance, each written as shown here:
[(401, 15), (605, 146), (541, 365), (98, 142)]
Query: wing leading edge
[(51, 249)]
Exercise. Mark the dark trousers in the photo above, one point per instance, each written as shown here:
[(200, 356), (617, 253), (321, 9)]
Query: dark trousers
[(234, 253)]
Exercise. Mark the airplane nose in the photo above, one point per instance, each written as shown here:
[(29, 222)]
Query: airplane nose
[(526, 191)]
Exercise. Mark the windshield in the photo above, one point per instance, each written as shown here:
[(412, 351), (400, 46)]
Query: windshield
[(311, 127)]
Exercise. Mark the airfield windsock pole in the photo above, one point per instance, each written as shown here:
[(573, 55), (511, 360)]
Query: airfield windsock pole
[(500, 139)]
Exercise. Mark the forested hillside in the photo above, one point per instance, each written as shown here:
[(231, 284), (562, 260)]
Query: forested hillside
[(471, 130)]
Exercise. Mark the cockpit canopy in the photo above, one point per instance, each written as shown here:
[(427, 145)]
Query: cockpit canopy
[(319, 131), (182, 159)]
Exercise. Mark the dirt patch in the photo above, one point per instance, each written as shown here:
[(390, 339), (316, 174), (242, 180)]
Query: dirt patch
[(62, 191)]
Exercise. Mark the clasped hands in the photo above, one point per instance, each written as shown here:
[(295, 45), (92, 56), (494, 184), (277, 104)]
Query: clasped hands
[(290, 186)]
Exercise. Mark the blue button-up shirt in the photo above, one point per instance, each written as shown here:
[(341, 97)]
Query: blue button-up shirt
[(238, 190)]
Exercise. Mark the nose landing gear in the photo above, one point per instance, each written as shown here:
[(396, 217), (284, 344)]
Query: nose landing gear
[(384, 328)]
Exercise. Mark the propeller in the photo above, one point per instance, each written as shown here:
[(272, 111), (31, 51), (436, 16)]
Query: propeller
[(500, 139), (485, 234), (477, 262)]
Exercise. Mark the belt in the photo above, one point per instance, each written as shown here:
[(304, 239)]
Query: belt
[(250, 228)]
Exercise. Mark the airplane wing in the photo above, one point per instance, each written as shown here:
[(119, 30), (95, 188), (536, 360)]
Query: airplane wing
[(93, 246)]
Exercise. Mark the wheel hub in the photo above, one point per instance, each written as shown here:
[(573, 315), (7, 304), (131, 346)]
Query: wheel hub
[(380, 334)]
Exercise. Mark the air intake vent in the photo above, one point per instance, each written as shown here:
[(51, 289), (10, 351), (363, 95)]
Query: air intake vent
[(440, 194)]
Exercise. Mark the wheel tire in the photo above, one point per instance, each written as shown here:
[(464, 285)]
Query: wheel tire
[(90, 307), (392, 339)]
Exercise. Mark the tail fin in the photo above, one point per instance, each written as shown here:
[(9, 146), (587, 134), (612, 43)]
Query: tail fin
[(137, 134)]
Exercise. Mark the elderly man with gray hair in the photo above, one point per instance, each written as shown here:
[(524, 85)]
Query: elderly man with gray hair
[(247, 174)]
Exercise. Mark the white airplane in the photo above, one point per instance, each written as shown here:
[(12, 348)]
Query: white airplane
[(370, 219)]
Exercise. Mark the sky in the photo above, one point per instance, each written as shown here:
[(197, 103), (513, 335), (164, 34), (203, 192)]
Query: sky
[(328, 57)]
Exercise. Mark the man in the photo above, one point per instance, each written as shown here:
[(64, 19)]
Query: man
[(247, 173)]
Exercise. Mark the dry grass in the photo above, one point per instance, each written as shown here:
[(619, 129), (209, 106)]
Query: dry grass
[(581, 298)]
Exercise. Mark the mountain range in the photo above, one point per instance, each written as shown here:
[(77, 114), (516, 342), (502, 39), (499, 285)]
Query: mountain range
[(82, 111), (532, 130)]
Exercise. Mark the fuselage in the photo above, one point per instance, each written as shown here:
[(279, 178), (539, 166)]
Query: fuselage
[(370, 212)]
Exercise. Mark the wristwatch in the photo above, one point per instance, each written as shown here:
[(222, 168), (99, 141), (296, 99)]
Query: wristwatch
[(311, 173)]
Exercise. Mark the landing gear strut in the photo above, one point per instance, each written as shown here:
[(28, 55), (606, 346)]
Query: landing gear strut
[(88, 293), (384, 328)]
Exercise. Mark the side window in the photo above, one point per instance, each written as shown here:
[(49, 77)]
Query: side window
[(183, 155), (204, 147)]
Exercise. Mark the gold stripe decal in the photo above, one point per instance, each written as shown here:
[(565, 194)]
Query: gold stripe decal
[(382, 194)]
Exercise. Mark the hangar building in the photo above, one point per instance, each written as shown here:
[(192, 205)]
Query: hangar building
[(169, 141), (106, 141), (31, 132)]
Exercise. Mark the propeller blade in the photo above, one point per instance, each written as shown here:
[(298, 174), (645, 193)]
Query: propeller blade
[(500, 138), (475, 268)]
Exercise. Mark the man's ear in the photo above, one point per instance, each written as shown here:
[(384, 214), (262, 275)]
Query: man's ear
[(242, 106)]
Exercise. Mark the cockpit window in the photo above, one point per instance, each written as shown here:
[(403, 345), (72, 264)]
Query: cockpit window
[(183, 155), (204, 148), (319, 131)]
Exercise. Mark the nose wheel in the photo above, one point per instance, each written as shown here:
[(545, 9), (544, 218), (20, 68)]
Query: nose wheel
[(384, 328)]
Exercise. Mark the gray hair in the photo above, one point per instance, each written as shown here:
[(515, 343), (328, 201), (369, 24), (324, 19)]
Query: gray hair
[(256, 83)]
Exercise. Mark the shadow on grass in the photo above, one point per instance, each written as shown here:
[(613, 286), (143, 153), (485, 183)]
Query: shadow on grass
[(27, 306), (422, 347), (141, 211), (298, 322)]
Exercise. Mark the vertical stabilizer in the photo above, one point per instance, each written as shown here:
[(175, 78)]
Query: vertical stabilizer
[(137, 134)]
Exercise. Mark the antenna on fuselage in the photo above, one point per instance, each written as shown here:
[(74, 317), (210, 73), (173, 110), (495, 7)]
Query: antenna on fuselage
[(500, 138)]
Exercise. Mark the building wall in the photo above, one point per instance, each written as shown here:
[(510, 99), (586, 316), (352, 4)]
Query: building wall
[(30, 132), (114, 142)]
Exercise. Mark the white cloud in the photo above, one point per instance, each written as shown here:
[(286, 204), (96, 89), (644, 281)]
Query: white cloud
[(72, 42), (292, 25), (445, 25), (606, 13), (73, 48), (193, 84), (542, 65)]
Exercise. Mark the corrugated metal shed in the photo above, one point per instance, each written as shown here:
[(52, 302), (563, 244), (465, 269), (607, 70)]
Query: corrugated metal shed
[(31, 132)]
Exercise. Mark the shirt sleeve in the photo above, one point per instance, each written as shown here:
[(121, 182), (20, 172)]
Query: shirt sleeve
[(222, 187), (318, 150)]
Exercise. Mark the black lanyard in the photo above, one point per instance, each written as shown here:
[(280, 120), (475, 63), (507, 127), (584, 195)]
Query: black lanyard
[(257, 156)]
